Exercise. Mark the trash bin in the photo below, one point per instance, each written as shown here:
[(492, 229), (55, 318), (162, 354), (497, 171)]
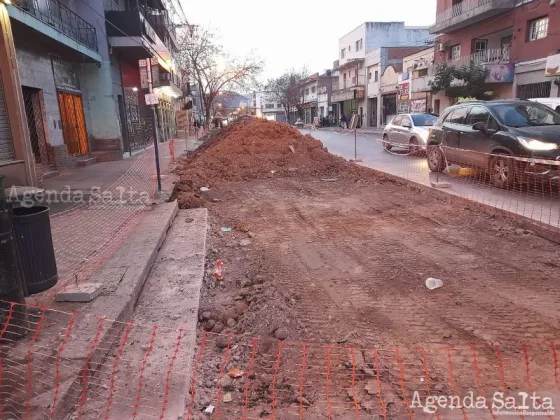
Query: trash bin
[(32, 231)]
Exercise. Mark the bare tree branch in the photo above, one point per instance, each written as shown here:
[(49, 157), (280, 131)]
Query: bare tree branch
[(203, 58), (286, 90)]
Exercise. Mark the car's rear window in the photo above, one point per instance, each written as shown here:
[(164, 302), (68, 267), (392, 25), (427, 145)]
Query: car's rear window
[(424, 120)]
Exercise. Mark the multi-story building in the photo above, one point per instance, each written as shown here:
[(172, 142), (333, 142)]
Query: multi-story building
[(267, 106), (309, 96), (79, 68), (143, 42), (414, 86), (382, 88), (358, 63), (511, 38)]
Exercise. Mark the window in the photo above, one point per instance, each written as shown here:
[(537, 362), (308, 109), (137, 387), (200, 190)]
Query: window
[(457, 116), (376, 78), (538, 28), (313, 89), (359, 44), (480, 49), (269, 106), (405, 120), (477, 114), (530, 114), (369, 75), (422, 72), (455, 52), (349, 48), (279, 106), (506, 47), (397, 120), (342, 53), (424, 120)]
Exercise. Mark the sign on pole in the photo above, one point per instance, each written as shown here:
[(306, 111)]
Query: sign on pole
[(151, 99)]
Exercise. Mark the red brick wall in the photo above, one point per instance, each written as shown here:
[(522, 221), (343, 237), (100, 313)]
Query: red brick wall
[(521, 49)]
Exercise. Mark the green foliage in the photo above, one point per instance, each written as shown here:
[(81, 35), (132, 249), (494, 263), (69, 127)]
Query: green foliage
[(467, 81)]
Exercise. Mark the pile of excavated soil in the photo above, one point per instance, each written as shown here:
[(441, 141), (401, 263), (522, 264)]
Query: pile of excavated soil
[(254, 149)]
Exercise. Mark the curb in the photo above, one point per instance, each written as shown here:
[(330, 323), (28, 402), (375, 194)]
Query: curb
[(123, 279)]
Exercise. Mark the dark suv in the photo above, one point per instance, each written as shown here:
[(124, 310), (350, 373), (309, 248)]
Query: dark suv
[(511, 140)]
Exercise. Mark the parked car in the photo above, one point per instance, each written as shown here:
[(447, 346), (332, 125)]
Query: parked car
[(511, 140), (553, 103), (409, 131)]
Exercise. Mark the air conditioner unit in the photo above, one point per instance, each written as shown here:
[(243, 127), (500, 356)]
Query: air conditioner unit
[(440, 47)]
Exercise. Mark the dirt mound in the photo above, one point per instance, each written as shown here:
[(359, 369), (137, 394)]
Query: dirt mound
[(253, 149)]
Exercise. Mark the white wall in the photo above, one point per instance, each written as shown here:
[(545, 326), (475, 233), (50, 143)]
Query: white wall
[(394, 34), (349, 41)]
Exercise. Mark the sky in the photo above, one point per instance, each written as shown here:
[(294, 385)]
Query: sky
[(294, 33)]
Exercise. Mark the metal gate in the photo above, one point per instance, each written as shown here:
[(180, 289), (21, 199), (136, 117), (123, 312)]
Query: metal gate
[(139, 121), (35, 124), (534, 90), (73, 123), (6, 142)]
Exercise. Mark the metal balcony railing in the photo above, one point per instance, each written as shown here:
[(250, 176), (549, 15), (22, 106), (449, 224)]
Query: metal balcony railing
[(465, 6), (349, 82), (64, 20), (491, 56)]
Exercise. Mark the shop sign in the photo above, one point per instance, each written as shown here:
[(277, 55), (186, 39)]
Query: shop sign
[(552, 66), (404, 91), (500, 73), (418, 105), (182, 120), (151, 99)]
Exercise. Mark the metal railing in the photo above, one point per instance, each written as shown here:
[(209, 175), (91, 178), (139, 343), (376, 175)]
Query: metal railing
[(348, 83), (459, 8), (490, 56), (64, 20)]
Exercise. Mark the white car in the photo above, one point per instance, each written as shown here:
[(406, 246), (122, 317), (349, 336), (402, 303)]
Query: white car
[(553, 103), (409, 131)]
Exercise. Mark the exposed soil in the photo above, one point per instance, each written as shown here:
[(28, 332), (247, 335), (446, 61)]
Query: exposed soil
[(324, 307), (341, 266), (255, 149)]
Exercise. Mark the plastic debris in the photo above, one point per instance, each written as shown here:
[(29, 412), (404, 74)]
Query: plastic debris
[(329, 179), (227, 398), (236, 373), (432, 283), (273, 172), (209, 409), (218, 270), (226, 229), (203, 189), (292, 149)]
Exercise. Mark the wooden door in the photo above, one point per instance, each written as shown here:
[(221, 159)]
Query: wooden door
[(73, 123)]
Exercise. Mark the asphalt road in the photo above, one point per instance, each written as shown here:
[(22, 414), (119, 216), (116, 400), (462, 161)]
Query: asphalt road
[(535, 202)]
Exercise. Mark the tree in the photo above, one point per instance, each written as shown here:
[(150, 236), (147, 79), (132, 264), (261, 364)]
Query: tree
[(213, 70), (286, 90), (465, 81)]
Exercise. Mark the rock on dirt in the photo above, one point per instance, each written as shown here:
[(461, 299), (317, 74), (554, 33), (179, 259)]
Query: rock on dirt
[(281, 333)]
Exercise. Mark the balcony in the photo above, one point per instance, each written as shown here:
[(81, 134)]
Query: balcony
[(497, 61), (53, 15), (348, 88), (467, 12)]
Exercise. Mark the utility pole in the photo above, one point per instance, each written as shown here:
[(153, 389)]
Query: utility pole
[(155, 131)]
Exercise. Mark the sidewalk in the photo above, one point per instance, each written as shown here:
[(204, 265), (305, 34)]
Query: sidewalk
[(101, 207)]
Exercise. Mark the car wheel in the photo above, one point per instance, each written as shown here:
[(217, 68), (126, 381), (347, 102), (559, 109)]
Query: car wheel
[(386, 145), (436, 159), (413, 147), (502, 171)]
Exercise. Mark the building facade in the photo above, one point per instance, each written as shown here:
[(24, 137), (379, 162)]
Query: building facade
[(81, 82), (512, 39), (309, 97), (268, 107), (364, 55)]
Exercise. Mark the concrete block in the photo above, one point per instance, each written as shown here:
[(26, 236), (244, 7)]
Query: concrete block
[(84, 293)]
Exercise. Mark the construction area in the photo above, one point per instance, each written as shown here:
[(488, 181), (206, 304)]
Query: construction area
[(302, 294)]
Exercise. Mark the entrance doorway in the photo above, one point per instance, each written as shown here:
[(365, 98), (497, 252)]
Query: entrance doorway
[(73, 123), (34, 116)]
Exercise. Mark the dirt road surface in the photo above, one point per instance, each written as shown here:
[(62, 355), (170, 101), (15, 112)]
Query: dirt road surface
[(339, 269)]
